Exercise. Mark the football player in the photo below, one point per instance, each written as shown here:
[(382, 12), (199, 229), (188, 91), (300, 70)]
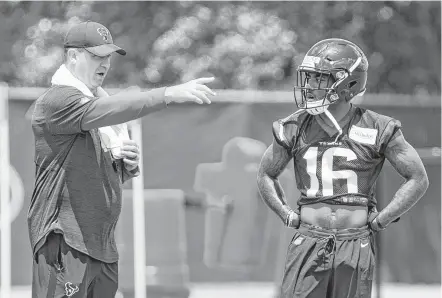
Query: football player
[(338, 150)]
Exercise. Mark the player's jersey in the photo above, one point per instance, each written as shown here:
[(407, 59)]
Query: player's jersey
[(341, 172)]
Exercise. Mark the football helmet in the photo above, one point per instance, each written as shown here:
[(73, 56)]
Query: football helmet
[(340, 68)]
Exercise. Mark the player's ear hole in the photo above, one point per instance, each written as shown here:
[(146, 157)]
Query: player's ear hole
[(351, 84)]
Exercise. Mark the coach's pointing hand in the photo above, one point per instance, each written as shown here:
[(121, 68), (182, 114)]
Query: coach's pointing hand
[(192, 91)]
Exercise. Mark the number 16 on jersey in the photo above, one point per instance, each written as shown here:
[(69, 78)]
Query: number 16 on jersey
[(324, 171)]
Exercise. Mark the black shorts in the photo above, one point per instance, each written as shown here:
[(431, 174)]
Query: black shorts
[(61, 271), (325, 263)]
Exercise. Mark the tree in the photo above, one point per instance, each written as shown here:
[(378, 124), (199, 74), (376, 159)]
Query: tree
[(246, 45)]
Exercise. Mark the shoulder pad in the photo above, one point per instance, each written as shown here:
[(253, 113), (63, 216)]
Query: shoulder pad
[(379, 120), (390, 131), (285, 129), (387, 127)]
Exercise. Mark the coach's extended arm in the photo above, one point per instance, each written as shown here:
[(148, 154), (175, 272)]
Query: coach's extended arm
[(133, 103), (122, 107)]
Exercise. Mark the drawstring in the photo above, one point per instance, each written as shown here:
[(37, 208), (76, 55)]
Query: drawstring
[(329, 248), (335, 123)]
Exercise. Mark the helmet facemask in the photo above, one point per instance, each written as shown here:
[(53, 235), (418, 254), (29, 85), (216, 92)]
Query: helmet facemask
[(306, 96)]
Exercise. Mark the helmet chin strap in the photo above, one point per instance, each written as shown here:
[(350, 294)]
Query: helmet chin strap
[(335, 123), (316, 108)]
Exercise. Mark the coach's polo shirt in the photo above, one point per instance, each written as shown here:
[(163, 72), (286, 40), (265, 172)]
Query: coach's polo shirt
[(78, 186)]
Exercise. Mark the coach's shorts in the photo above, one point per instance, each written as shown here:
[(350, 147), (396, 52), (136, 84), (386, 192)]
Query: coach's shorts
[(325, 263), (61, 271)]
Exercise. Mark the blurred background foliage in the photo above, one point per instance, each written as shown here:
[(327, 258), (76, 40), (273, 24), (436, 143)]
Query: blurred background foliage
[(245, 45)]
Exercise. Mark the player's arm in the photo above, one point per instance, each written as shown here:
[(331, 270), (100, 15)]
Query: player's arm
[(133, 104), (273, 163), (407, 162)]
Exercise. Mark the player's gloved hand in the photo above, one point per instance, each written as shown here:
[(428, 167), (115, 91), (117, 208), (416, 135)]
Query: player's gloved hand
[(292, 220), (192, 91)]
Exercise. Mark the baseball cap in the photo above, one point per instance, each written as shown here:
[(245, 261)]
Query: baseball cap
[(93, 37)]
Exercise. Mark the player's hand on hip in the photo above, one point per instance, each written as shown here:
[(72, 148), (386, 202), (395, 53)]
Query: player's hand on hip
[(292, 220), (131, 154), (192, 91)]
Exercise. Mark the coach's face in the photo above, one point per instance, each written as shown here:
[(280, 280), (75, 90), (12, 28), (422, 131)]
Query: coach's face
[(91, 69)]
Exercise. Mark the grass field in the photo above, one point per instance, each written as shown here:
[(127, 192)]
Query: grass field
[(266, 290)]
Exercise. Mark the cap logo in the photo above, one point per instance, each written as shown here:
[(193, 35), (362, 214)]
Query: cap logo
[(104, 33)]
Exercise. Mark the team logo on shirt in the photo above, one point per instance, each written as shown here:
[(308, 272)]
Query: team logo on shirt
[(70, 289), (330, 143)]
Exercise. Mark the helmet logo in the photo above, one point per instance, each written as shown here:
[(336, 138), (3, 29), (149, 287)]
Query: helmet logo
[(334, 97), (340, 75)]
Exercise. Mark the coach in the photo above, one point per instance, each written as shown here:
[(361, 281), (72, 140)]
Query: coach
[(83, 155)]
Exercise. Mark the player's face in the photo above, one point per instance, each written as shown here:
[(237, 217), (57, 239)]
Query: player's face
[(316, 82), (91, 69)]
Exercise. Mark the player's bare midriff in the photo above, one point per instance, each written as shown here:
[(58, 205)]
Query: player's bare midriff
[(334, 216)]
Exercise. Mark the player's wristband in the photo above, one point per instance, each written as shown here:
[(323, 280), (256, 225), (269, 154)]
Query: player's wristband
[(289, 219), (376, 225)]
